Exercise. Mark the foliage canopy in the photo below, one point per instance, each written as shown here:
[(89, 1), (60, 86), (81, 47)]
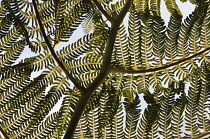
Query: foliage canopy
[(114, 68)]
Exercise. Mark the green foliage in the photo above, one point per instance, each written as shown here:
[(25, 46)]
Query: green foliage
[(158, 84)]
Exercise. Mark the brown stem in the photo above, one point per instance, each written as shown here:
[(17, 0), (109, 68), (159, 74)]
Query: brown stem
[(202, 135), (88, 93), (114, 70), (60, 64), (3, 133), (105, 70)]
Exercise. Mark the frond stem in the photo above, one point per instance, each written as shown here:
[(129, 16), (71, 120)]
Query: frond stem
[(60, 64), (115, 70), (105, 70), (4, 134), (101, 9), (106, 66)]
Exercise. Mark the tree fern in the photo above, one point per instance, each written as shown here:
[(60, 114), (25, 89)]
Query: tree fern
[(129, 75)]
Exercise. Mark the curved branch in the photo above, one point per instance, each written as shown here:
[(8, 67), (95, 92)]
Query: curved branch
[(114, 70), (3, 133), (60, 64), (202, 135)]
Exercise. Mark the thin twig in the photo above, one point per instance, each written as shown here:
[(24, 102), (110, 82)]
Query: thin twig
[(60, 64), (202, 135), (98, 5), (114, 70), (4, 134)]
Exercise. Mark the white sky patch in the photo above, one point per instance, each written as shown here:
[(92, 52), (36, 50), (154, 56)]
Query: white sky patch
[(186, 9)]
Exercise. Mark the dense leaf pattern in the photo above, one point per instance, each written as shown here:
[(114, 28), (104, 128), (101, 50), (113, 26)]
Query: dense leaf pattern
[(158, 84)]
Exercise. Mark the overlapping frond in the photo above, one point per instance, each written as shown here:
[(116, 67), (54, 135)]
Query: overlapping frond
[(34, 106), (186, 27), (155, 7), (167, 65), (12, 53), (68, 16), (196, 97), (203, 121)]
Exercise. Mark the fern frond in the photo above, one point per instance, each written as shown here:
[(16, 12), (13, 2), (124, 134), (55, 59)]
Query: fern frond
[(21, 69), (39, 62), (113, 9), (121, 51), (147, 121), (195, 33), (10, 89), (81, 46), (203, 109), (146, 45), (178, 114), (12, 120), (141, 5), (11, 37), (63, 31), (172, 34), (46, 128), (171, 6), (93, 116), (205, 31), (155, 7), (168, 77), (155, 80), (13, 52), (38, 104), (114, 129), (67, 107), (109, 108), (191, 109), (130, 87), (158, 39), (132, 115), (6, 22), (165, 113), (143, 83), (100, 112), (134, 32), (186, 27)]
